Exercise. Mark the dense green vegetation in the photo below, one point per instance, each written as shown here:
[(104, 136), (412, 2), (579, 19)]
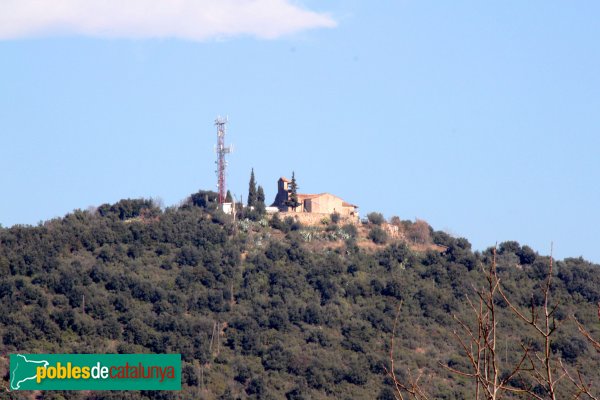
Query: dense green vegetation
[(256, 312)]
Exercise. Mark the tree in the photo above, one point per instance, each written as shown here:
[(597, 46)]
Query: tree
[(395, 220), (252, 190), (419, 232), (128, 208), (260, 200), (536, 373), (375, 218), (335, 217), (292, 200), (378, 235), (205, 199), (228, 197)]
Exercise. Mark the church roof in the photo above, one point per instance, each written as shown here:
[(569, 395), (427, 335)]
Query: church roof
[(307, 196)]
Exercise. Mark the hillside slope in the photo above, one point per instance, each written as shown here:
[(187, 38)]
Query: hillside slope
[(265, 312)]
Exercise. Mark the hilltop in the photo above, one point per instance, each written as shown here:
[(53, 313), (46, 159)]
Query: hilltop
[(264, 307)]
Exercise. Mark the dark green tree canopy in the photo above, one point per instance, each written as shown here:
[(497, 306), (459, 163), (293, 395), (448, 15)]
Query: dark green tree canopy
[(269, 311), (128, 208), (205, 199), (260, 200), (292, 200), (252, 190)]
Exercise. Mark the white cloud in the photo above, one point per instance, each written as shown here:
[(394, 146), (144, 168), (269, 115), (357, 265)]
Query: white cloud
[(185, 19)]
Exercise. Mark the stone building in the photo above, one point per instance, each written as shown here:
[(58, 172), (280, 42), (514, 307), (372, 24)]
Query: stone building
[(323, 203)]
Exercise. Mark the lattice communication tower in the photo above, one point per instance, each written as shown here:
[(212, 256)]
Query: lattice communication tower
[(221, 151)]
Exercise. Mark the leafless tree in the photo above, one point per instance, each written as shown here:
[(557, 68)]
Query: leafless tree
[(493, 379), (546, 371), (419, 232), (412, 387), (584, 388)]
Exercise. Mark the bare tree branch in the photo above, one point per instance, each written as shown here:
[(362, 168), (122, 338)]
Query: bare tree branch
[(493, 379), (412, 387)]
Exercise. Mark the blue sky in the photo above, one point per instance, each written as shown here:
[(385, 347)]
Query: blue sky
[(479, 117)]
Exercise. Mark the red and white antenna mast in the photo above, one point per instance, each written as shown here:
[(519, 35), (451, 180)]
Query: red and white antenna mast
[(221, 151)]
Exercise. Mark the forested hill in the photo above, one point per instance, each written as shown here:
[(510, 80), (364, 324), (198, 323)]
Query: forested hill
[(265, 308)]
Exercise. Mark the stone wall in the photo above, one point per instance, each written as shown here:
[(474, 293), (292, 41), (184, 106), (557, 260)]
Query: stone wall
[(313, 219)]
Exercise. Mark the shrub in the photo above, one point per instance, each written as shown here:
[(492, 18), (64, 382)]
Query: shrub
[(292, 224), (331, 228), (129, 208), (205, 199), (570, 349), (526, 255), (277, 223), (378, 235), (386, 394), (188, 255), (375, 218), (335, 217), (420, 232), (350, 229)]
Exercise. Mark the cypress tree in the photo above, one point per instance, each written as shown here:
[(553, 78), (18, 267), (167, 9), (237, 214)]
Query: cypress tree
[(260, 200), (228, 197), (292, 200), (252, 190)]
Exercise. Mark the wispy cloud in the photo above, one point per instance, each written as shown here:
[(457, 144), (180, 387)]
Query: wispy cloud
[(185, 19)]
